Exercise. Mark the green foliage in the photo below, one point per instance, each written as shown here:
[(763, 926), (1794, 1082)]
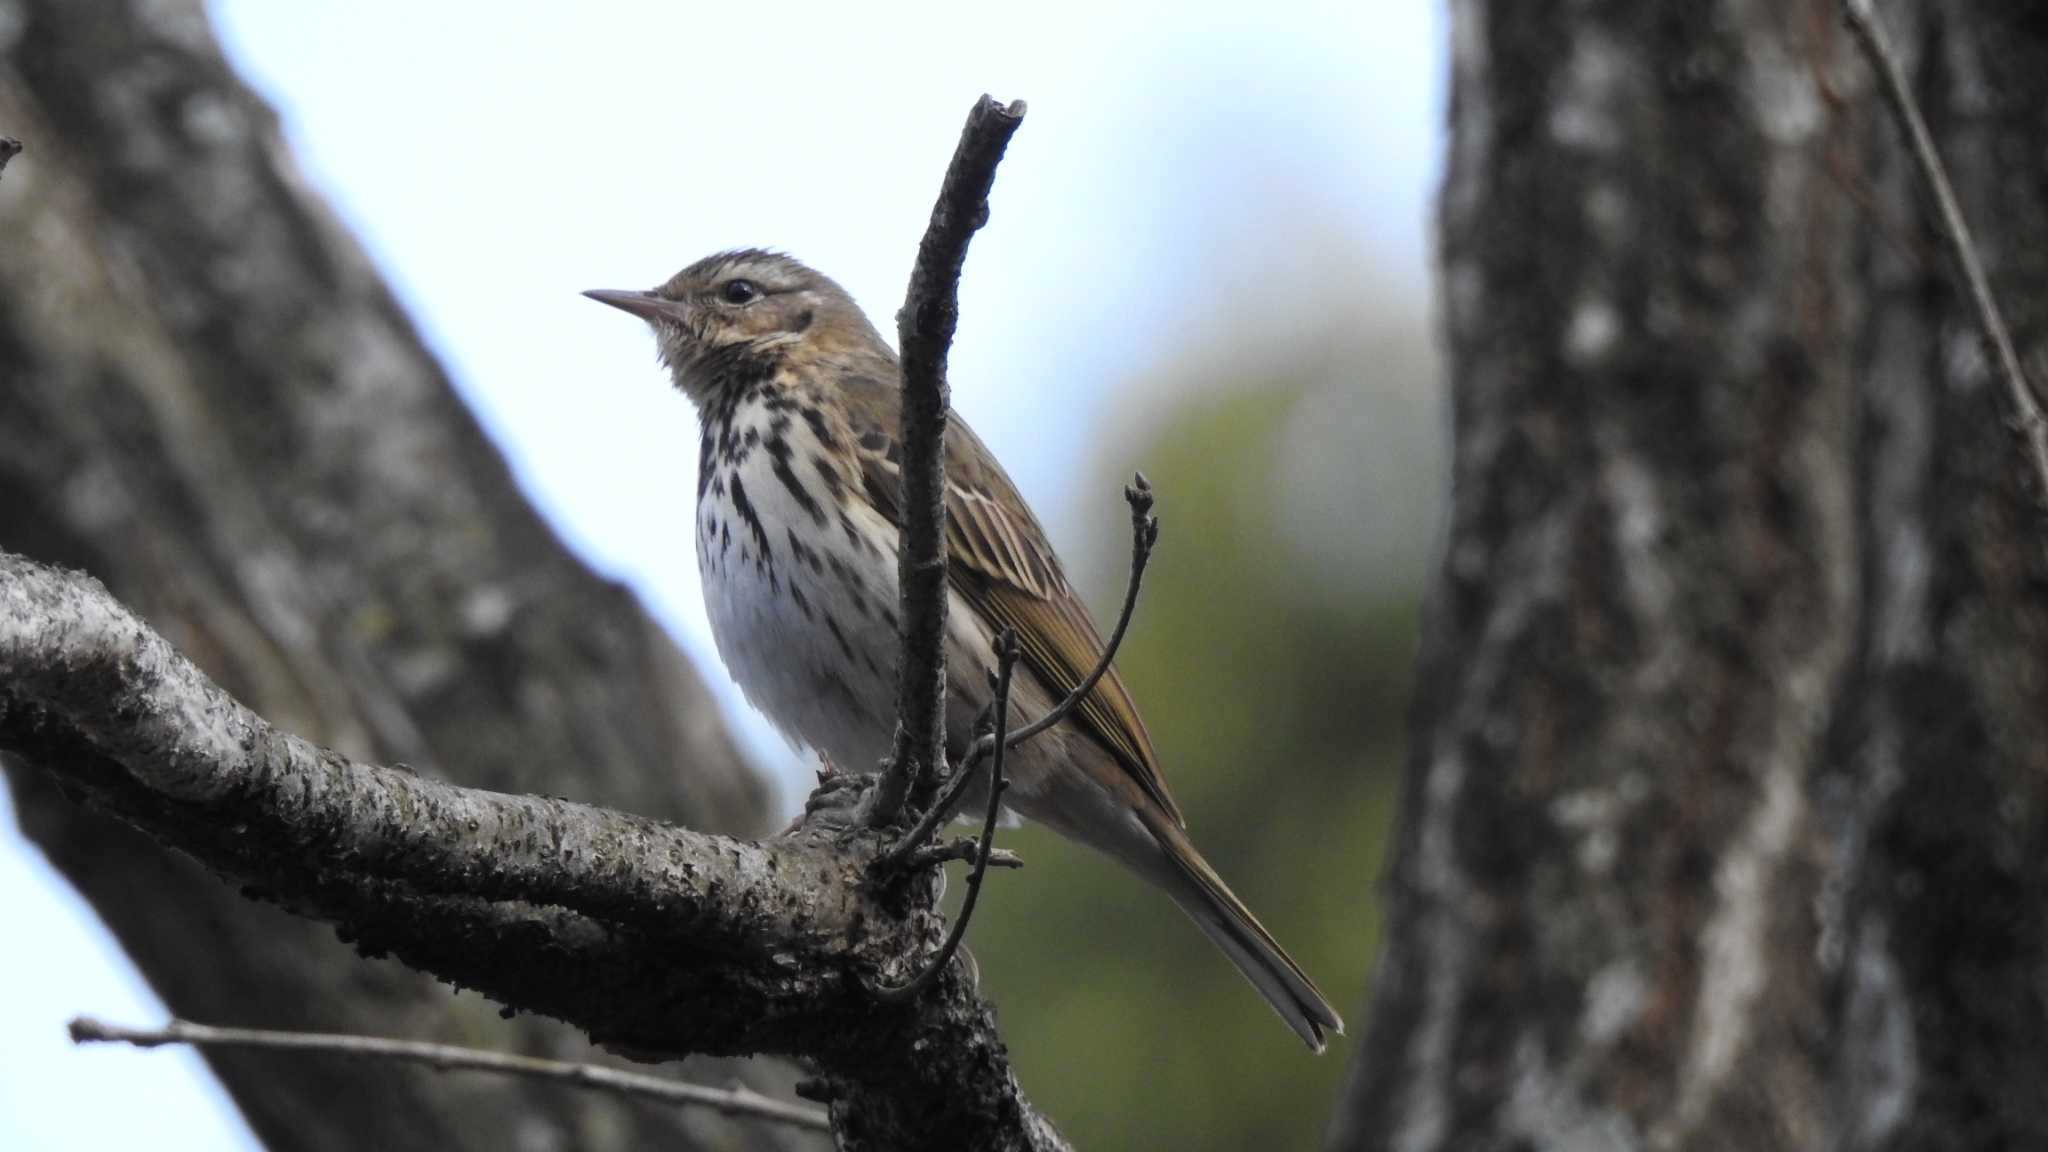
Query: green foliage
[(1278, 710)]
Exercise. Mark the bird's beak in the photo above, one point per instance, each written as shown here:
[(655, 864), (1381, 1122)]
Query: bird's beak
[(645, 305)]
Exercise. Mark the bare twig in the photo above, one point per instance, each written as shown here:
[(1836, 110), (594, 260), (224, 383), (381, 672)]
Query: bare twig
[(931, 311), (735, 1101), (1006, 664), (909, 844), (1144, 534), (9, 149), (1877, 49), (965, 848)]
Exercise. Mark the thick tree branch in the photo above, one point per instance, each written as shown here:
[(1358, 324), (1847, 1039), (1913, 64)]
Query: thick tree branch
[(931, 311), (2028, 418), (649, 937), (734, 1101)]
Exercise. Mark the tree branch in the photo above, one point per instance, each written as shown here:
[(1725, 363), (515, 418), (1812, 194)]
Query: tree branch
[(965, 848), (924, 333), (736, 1101), (1006, 663), (648, 937), (2031, 423)]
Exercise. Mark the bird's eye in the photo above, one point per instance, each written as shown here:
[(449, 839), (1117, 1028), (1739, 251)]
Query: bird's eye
[(738, 291)]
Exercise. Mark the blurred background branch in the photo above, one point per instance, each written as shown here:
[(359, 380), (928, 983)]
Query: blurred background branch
[(446, 1057), (2028, 422)]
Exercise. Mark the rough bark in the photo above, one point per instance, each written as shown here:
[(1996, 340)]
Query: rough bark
[(1938, 930), (1726, 821), (209, 401)]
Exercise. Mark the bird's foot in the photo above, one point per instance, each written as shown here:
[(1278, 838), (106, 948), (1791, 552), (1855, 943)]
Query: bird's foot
[(835, 804)]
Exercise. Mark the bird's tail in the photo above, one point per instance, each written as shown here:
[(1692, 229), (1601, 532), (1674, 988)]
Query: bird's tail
[(1224, 919)]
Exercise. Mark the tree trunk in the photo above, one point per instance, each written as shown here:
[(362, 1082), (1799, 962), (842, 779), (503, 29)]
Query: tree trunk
[(1726, 821), (209, 401)]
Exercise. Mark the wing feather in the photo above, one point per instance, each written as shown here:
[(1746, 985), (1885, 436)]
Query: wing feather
[(1002, 562)]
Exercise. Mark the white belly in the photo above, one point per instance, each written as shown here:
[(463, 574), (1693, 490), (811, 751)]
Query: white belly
[(807, 627)]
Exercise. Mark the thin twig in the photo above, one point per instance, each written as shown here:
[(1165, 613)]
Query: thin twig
[(965, 848), (1144, 534), (931, 312), (2033, 425), (1006, 664), (9, 149), (735, 1101), (908, 845)]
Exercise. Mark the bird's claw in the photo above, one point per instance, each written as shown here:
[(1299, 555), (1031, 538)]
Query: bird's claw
[(836, 802)]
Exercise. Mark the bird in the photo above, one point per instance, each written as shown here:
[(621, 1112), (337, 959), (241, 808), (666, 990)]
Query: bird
[(796, 527)]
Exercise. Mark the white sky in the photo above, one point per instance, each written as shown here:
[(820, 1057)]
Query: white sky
[(499, 158)]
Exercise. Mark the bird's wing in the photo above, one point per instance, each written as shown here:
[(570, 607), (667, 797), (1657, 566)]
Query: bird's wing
[(1001, 562)]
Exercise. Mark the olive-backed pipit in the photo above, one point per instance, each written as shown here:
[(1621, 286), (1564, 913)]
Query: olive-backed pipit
[(796, 526)]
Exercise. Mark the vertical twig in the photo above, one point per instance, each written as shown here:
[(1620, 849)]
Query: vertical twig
[(1877, 49), (1006, 663), (924, 328)]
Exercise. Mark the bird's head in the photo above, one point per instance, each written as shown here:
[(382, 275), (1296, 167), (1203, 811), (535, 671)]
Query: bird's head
[(735, 317)]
